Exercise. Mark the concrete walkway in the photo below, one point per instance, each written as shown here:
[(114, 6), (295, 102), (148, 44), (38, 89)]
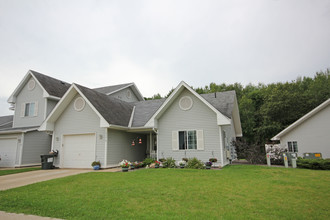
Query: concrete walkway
[(14, 216), (26, 178)]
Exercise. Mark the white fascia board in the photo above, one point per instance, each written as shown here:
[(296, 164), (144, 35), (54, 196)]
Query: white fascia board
[(221, 119), (54, 97), (301, 120), (137, 92), (134, 88), (120, 89), (12, 97), (132, 116)]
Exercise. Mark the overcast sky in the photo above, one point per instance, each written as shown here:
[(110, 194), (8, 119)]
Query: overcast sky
[(157, 44)]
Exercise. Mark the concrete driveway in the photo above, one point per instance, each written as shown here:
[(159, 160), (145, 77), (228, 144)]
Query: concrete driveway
[(26, 178)]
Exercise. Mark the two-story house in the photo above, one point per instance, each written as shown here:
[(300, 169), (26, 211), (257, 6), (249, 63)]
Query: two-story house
[(21, 144), (113, 123)]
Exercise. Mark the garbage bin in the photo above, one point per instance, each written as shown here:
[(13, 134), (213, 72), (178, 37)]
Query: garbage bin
[(47, 160)]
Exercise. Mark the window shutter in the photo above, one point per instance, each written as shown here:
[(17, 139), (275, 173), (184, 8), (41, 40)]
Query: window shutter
[(175, 140), (35, 109), (22, 109), (200, 140)]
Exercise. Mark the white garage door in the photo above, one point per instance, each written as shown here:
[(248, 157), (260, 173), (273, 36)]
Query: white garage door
[(78, 151), (8, 149)]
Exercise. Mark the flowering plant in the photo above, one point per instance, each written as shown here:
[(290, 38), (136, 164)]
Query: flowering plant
[(213, 160), (208, 164), (182, 163), (157, 163), (125, 163)]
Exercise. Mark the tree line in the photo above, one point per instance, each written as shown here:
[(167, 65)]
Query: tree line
[(266, 109)]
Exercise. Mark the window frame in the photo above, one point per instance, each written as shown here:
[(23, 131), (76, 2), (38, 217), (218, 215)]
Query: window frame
[(188, 141), (293, 146), (29, 110)]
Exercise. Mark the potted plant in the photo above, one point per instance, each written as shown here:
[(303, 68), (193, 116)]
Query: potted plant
[(96, 165), (182, 164), (208, 165), (124, 165), (213, 160), (157, 163)]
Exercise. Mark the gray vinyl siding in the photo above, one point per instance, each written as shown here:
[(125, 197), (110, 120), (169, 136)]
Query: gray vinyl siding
[(312, 135), (120, 148), (35, 144), (199, 117), (122, 95), (82, 122), (25, 96), (50, 105)]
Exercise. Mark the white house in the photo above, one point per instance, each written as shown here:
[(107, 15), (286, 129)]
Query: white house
[(310, 133)]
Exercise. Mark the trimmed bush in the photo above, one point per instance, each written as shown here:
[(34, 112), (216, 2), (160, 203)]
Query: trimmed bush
[(148, 161), (169, 163), (315, 164), (194, 163)]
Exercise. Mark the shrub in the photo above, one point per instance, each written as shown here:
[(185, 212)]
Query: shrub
[(95, 163), (169, 163), (194, 163), (185, 159), (162, 160), (315, 164), (148, 161)]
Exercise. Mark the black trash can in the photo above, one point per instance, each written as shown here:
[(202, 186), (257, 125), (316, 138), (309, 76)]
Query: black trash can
[(47, 161)]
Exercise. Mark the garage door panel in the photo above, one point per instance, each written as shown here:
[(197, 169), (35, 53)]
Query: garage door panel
[(8, 148), (78, 150)]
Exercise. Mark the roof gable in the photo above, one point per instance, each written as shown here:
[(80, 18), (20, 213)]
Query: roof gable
[(221, 118), (301, 120), (108, 90), (110, 110), (52, 88)]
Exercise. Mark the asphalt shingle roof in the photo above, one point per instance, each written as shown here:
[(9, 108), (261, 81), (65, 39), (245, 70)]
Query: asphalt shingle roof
[(6, 122), (144, 110), (109, 89), (53, 86), (114, 111), (222, 101)]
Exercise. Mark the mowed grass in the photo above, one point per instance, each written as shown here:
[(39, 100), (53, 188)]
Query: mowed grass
[(13, 171), (235, 192)]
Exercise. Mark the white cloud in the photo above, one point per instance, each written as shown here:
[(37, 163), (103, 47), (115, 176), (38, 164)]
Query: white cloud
[(157, 44)]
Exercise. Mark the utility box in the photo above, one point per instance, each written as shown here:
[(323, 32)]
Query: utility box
[(312, 156)]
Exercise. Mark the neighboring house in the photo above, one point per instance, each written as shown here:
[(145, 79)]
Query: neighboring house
[(88, 125), (309, 134), (21, 144)]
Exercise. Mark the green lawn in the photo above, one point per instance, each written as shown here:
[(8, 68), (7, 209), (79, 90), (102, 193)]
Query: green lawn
[(7, 172), (235, 192)]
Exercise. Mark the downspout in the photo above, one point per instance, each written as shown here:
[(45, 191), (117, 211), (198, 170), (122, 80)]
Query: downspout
[(157, 142)]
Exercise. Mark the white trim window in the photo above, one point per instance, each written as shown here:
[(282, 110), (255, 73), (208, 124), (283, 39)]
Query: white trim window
[(29, 109), (188, 140), (292, 146)]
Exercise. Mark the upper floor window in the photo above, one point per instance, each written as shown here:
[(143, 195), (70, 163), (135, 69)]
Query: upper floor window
[(29, 109), (292, 146)]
